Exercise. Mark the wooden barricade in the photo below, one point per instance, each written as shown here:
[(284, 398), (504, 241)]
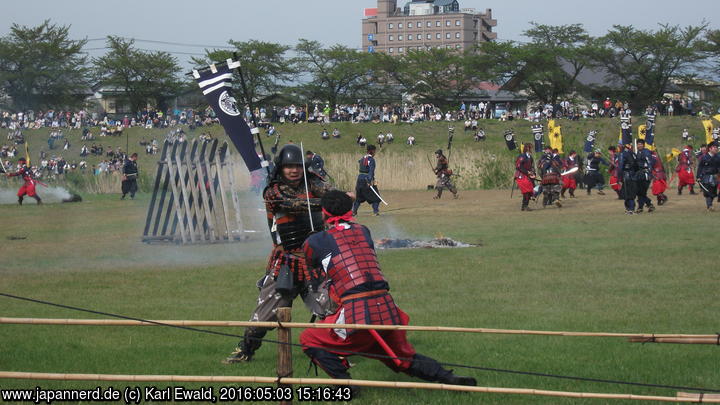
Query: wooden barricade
[(194, 197)]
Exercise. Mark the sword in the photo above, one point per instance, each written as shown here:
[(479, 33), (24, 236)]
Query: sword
[(378, 195), (703, 187), (307, 190)]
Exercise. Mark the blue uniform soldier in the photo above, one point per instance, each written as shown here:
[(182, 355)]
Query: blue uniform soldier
[(316, 164), (643, 177), (627, 170), (707, 172), (365, 190)]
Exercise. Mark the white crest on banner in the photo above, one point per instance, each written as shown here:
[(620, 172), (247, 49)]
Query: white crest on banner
[(228, 104)]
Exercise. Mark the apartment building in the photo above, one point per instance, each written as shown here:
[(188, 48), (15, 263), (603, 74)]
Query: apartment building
[(424, 24)]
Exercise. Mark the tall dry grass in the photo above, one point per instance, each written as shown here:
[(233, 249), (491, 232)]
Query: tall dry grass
[(414, 171)]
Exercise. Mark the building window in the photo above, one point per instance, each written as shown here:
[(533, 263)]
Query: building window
[(457, 46), (419, 24), (391, 38), (429, 24), (410, 37), (457, 35), (438, 36), (400, 37), (400, 50), (437, 23), (457, 23), (449, 47), (447, 35), (429, 36), (447, 23), (410, 25), (391, 50), (400, 26), (390, 26)]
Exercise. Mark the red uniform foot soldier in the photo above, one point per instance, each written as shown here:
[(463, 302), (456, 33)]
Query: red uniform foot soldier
[(659, 184), (569, 183), (614, 183), (28, 188), (684, 170), (525, 175), (345, 256)]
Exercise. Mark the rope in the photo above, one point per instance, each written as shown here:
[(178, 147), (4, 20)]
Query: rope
[(370, 355)]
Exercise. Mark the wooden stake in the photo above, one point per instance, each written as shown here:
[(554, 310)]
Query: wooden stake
[(326, 381), (284, 363)]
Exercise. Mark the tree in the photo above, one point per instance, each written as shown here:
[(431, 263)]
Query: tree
[(646, 60), (547, 67), (336, 73), (264, 66), (143, 76), (436, 76), (40, 67)]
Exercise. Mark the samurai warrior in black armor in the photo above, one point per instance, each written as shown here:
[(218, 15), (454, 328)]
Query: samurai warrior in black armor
[(290, 222)]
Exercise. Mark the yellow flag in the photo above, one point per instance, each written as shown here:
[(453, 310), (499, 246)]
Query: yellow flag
[(672, 155), (708, 130), (642, 131), (717, 117), (556, 141), (27, 154), (551, 126)]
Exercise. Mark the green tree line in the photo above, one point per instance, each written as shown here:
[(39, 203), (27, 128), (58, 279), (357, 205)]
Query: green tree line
[(42, 67)]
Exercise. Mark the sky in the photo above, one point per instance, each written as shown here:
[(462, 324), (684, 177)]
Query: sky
[(213, 23)]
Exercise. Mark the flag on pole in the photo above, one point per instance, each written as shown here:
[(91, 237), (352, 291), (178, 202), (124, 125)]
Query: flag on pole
[(537, 131), (650, 136), (590, 142), (625, 134), (27, 154), (215, 83), (708, 130), (556, 140)]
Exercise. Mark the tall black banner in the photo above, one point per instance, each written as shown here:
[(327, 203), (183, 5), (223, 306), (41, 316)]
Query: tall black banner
[(537, 132), (650, 133), (590, 142), (216, 86), (626, 131), (510, 140)]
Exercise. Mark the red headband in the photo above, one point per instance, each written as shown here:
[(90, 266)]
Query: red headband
[(335, 219)]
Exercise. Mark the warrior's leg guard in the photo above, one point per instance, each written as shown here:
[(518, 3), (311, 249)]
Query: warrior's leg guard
[(692, 189), (376, 208), (252, 340), (562, 192), (429, 369), (355, 207), (20, 200), (39, 201), (709, 202), (439, 194), (572, 192), (680, 190), (330, 362)]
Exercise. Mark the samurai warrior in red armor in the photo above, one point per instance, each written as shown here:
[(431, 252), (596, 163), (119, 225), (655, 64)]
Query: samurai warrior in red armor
[(344, 256), (684, 170), (28, 187), (525, 175), (659, 184)]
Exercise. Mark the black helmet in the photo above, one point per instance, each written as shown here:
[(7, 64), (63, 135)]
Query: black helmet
[(439, 152), (289, 155)]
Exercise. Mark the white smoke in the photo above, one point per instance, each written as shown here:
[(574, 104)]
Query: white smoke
[(47, 194)]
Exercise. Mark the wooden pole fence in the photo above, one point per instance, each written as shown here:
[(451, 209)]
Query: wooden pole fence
[(304, 325), (690, 398)]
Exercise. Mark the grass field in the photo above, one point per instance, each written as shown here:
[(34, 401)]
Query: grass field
[(585, 267)]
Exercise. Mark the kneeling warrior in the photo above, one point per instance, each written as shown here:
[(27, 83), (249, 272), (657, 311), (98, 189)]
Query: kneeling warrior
[(525, 175), (344, 255), (290, 223), (28, 187), (443, 176)]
